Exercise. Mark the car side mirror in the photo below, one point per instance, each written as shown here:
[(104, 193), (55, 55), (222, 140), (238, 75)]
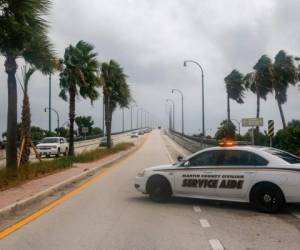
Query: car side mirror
[(179, 158)]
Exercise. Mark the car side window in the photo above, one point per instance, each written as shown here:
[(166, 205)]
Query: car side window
[(241, 158), (61, 140), (208, 158)]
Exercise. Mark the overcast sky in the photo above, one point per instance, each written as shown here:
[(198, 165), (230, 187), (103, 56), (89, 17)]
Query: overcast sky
[(150, 39)]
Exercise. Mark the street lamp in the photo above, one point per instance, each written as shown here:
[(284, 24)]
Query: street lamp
[(122, 119), (139, 109), (173, 111), (52, 109), (202, 77), (132, 106), (182, 112)]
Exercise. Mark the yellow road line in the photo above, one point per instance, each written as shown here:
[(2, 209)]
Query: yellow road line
[(57, 202)]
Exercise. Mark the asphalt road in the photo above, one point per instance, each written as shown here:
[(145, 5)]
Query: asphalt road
[(111, 214)]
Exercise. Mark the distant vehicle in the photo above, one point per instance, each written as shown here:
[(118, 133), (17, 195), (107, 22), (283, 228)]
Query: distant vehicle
[(103, 142), (134, 135), (268, 178), (141, 132), (159, 127), (53, 146)]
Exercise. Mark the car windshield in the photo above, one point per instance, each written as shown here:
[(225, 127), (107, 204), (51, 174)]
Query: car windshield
[(290, 158), (50, 140)]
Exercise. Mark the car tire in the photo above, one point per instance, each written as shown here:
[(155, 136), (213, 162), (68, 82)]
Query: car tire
[(66, 152), (159, 189), (267, 197), (58, 153)]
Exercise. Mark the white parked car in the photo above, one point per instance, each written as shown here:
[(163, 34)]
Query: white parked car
[(266, 177), (53, 146), (134, 135)]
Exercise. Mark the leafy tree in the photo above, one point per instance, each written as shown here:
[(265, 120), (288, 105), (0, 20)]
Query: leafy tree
[(84, 121), (289, 138), (23, 30), (226, 130), (62, 131), (115, 90), (234, 88), (78, 78), (284, 73)]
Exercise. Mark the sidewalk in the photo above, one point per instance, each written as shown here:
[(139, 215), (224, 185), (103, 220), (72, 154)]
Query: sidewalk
[(31, 188)]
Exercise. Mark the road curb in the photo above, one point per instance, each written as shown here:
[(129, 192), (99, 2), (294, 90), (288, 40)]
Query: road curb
[(22, 204)]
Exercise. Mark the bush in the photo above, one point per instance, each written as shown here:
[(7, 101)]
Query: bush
[(288, 139)]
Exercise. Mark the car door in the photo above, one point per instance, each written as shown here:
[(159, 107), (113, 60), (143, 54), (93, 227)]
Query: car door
[(62, 145), (196, 176), (237, 169)]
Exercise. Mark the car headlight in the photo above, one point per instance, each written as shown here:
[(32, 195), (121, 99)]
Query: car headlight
[(141, 174), (54, 146)]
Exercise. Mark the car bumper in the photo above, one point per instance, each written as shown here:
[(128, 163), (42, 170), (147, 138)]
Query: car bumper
[(140, 184), (47, 151)]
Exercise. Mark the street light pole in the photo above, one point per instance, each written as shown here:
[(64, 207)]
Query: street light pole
[(50, 102), (182, 110), (122, 119), (202, 77), (173, 111), (52, 109), (132, 106), (239, 124)]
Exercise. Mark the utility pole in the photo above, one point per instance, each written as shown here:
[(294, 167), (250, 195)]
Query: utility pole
[(182, 110)]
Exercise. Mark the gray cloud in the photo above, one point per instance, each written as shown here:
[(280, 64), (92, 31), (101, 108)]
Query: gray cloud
[(152, 38)]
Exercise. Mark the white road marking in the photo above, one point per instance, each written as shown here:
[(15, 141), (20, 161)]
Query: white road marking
[(216, 244), (295, 212), (204, 223), (197, 209)]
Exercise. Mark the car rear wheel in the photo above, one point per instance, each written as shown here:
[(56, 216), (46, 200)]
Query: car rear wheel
[(66, 152), (159, 189), (58, 152), (267, 197)]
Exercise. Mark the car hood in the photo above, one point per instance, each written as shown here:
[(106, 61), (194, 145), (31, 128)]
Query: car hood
[(160, 167)]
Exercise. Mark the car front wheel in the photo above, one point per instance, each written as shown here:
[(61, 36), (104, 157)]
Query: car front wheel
[(267, 197), (159, 189)]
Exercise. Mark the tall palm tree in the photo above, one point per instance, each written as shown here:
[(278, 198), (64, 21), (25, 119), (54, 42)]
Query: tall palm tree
[(78, 78), (284, 73), (115, 91), (23, 32), (260, 81), (234, 88)]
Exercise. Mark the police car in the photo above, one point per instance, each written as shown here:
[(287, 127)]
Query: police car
[(266, 177)]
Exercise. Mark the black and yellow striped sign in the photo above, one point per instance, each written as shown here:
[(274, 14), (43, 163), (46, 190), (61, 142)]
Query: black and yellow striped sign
[(271, 128)]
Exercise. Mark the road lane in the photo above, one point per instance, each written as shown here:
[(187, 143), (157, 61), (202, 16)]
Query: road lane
[(111, 214)]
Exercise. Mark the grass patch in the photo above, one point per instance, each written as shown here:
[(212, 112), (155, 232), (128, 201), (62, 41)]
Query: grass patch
[(39, 169)]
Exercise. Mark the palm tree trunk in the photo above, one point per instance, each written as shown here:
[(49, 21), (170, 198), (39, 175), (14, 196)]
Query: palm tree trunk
[(280, 111), (11, 147), (228, 108), (108, 119), (72, 95), (26, 124), (257, 112)]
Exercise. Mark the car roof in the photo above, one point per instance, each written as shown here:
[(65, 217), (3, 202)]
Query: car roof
[(259, 150)]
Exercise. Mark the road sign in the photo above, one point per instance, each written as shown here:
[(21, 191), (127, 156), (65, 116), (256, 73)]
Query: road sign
[(252, 122), (271, 128), (84, 130)]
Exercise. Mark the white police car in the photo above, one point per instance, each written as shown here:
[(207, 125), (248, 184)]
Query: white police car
[(266, 177)]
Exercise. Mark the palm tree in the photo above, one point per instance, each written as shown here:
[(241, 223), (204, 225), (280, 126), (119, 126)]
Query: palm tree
[(78, 78), (284, 73), (23, 34), (26, 114), (234, 88), (115, 91), (260, 81)]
